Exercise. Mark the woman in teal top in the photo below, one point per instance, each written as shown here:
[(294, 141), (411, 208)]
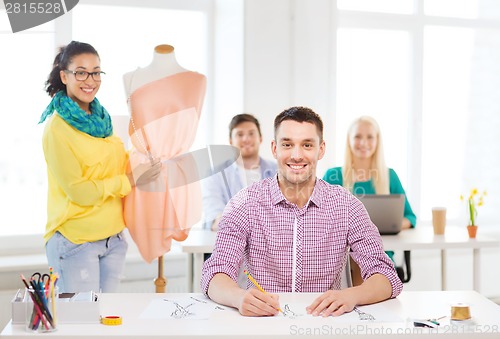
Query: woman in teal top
[(364, 170), (334, 177)]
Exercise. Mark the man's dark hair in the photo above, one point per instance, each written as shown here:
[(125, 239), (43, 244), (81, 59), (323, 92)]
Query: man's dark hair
[(241, 118), (300, 114)]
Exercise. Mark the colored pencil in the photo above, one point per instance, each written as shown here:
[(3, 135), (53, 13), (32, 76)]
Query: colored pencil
[(257, 285), (53, 278)]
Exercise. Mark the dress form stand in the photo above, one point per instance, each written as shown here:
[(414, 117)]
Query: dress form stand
[(163, 96), (164, 63), (160, 281)]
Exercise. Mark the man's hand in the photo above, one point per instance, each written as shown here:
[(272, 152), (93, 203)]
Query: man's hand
[(255, 303), (251, 303), (333, 302), (336, 302)]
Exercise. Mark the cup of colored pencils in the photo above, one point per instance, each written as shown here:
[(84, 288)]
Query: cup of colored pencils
[(40, 305)]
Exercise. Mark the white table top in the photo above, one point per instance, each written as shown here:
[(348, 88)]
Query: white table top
[(199, 241), (424, 238), (402, 310), (202, 241)]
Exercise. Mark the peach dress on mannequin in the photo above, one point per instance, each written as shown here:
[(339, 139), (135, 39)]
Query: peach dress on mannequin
[(165, 114)]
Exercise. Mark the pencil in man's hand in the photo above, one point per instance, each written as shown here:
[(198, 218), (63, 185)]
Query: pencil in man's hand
[(257, 285)]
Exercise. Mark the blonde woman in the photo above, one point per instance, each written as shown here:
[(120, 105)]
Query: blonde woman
[(364, 170)]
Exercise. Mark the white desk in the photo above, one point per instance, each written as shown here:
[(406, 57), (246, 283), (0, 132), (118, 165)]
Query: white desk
[(202, 241), (230, 324), (196, 245), (454, 238)]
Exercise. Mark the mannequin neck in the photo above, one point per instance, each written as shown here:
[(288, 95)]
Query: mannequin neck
[(164, 61), (163, 64)]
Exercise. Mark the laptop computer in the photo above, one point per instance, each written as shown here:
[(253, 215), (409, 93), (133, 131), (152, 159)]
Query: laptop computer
[(386, 211)]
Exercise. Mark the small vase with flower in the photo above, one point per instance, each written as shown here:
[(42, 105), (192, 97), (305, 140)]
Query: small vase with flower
[(474, 200)]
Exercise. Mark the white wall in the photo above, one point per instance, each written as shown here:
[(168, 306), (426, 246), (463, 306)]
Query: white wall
[(288, 45), (228, 67)]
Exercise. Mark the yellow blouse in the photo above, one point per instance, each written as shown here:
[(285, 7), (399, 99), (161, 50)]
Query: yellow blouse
[(86, 183)]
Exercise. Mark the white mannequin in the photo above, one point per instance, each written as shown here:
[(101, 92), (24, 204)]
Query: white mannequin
[(165, 102), (163, 64)]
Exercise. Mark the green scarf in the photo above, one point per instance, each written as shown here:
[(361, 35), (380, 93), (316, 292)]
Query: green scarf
[(98, 124)]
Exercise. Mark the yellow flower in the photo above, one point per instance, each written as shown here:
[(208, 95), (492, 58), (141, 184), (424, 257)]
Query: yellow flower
[(472, 204)]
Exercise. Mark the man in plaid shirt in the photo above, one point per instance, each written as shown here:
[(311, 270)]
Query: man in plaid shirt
[(293, 233)]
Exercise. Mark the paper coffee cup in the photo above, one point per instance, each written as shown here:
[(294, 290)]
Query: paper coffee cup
[(439, 219)]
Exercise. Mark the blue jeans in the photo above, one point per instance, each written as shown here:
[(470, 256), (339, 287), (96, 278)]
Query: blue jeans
[(93, 266)]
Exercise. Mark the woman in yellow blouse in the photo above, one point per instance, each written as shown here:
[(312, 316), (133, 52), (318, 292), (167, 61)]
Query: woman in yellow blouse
[(87, 178)]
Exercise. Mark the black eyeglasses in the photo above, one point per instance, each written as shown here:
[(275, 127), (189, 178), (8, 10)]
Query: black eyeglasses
[(84, 75)]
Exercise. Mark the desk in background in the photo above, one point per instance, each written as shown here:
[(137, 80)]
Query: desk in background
[(454, 238), (196, 245), (203, 241)]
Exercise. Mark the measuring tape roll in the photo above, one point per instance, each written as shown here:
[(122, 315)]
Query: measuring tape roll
[(111, 320)]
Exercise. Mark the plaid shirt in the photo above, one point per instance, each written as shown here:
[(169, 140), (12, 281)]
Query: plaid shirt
[(289, 249)]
